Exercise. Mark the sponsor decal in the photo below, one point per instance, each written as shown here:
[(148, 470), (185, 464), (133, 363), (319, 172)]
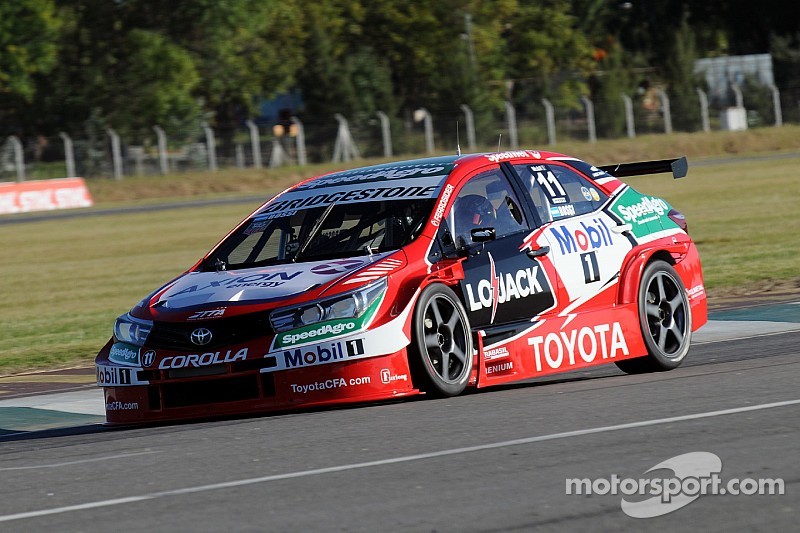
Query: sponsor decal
[(696, 292), (317, 333), (495, 353), (587, 237), (148, 357), (586, 194), (325, 330), (124, 354), (201, 336), (323, 353), (502, 288), (595, 194), (112, 376), (557, 350), (387, 377), (500, 367), (211, 313), (264, 280), (256, 227), (494, 158), (639, 211), (411, 189), (122, 406), (439, 212), (205, 359), (388, 173), (558, 211), (336, 267), (333, 383)]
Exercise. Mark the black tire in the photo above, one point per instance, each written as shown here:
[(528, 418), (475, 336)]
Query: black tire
[(441, 348), (665, 318)]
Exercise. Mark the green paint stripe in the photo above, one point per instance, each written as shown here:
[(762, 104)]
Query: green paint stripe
[(762, 313), (15, 419)]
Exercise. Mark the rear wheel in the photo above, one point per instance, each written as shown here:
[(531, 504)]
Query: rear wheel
[(665, 319), (442, 342)]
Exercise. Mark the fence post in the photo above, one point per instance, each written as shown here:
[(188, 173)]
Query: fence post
[(211, 146), (422, 115), (344, 149), (116, 153), (470, 126), (19, 157), (161, 139), (629, 123), (278, 155), (69, 154), (703, 109), (300, 142), (737, 92), (255, 143), (776, 104), (511, 122), (665, 108), (550, 119), (386, 134), (238, 152), (590, 119)]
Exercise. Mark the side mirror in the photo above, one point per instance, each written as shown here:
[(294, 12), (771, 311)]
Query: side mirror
[(483, 234)]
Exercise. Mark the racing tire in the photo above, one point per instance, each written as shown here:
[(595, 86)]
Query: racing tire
[(441, 354), (665, 318)]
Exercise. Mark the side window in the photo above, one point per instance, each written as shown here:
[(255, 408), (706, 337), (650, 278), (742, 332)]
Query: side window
[(486, 201), (559, 192)]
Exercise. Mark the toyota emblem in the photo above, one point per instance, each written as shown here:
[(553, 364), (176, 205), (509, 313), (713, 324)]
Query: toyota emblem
[(200, 336)]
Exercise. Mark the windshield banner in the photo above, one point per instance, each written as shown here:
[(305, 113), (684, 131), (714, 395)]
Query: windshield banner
[(422, 188)]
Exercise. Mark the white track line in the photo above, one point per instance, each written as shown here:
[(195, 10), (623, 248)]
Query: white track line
[(390, 461), (78, 462)]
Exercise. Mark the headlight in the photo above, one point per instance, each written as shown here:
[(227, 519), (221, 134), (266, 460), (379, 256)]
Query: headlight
[(348, 305), (132, 330)]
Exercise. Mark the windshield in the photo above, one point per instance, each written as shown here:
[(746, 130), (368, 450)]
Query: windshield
[(331, 231)]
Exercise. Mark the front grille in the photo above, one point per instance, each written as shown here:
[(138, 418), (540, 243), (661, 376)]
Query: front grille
[(211, 391), (225, 332)]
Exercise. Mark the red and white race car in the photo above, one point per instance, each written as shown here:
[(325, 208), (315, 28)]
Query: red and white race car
[(431, 275)]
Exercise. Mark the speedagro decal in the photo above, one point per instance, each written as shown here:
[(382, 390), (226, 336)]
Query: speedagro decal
[(325, 331), (640, 211), (502, 156), (124, 354), (206, 359), (388, 173), (556, 350)]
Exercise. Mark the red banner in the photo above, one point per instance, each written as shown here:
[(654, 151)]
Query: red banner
[(43, 195)]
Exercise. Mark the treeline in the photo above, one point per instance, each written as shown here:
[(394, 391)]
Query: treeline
[(83, 65)]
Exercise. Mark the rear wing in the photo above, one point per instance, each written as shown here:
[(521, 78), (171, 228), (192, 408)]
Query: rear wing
[(678, 167)]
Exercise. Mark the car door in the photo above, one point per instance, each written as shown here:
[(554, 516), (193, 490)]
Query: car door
[(586, 246), (502, 283)]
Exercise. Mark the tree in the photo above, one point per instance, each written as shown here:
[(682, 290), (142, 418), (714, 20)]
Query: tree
[(683, 82), (28, 37)]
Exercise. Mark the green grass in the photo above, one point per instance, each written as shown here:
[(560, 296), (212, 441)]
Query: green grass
[(63, 282)]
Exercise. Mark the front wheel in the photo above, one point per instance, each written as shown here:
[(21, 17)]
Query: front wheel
[(665, 319), (442, 344)]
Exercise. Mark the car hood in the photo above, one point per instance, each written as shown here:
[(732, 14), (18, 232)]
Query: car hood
[(255, 284)]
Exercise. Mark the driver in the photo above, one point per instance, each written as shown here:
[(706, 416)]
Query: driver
[(472, 211)]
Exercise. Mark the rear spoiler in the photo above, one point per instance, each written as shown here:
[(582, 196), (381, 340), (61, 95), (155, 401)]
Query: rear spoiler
[(678, 167)]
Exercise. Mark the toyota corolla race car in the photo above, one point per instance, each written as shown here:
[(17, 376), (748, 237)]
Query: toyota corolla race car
[(426, 276)]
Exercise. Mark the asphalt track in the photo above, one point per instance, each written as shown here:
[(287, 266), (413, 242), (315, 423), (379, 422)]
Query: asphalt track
[(490, 461)]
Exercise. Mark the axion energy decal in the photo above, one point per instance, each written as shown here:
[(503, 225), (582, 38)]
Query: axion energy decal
[(421, 188), (645, 214)]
